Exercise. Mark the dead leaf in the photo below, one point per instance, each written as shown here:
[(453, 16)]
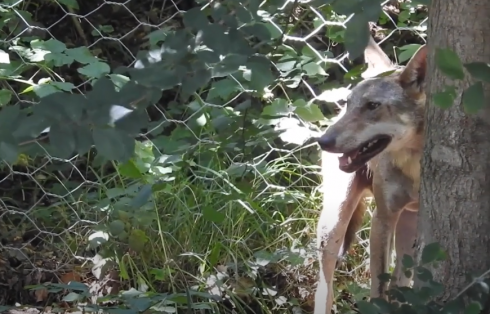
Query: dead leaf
[(71, 276), (113, 285), (41, 294)]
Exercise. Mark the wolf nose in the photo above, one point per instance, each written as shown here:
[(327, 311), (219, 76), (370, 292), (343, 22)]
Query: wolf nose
[(327, 142)]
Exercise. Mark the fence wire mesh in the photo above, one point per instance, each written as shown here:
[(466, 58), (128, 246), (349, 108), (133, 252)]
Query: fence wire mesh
[(53, 210)]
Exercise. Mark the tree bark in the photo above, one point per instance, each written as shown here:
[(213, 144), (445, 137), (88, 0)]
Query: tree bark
[(455, 185)]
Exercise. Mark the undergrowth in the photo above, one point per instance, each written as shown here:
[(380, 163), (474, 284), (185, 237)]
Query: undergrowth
[(175, 180)]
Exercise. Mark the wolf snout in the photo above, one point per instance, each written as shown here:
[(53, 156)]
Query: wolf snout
[(327, 142)]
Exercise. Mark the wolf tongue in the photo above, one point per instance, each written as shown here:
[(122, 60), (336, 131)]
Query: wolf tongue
[(344, 160), (347, 158)]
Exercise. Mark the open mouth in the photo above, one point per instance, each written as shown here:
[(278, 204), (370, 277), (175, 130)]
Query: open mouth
[(353, 160)]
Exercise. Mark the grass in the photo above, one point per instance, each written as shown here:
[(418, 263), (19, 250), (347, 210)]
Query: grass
[(240, 230), (219, 229)]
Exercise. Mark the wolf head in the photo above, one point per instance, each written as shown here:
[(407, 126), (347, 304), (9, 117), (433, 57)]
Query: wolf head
[(382, 113)]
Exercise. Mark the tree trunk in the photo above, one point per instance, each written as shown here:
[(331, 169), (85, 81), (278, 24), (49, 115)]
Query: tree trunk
[(455, 186)]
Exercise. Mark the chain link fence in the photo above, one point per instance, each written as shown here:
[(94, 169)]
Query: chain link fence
[(77, 219)]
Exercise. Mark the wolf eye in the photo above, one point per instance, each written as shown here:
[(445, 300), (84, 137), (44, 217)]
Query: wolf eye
[(372, 105)]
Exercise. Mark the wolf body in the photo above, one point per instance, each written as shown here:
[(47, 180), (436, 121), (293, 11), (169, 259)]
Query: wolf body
[(379, 136)]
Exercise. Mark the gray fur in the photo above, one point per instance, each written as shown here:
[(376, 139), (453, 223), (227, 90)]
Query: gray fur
[(389, 108)]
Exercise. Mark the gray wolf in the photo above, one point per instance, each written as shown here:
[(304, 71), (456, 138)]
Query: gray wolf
[(373, 149)]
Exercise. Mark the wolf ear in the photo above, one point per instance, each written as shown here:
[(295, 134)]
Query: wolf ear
[(413, 76), (377, 61)]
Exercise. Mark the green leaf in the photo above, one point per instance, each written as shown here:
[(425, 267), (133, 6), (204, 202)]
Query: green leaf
[(473, 308), (274, 31), (369, 9), (228, 65), (313, 69), (30, 127), (382, 304), (432, 252), (356, 36), (158, 36), (62, 140), (243, 14), (73, 106), (119, 80), (75, 285), (216, 39), (422, 2), (479, 70), (130, 170), (81, 55), (409, 295), (140, 304), (5, 97), (142, 197), (396, 294), (449, 63), (102, 29), (42, 90), (453, 306), (473, 98), (407, 52), (195, 18), (211, 214), (223, 89), (113, 144), (310, 113), (445, 99), (9, 152), (423, 274), (367, 308), (73, 4), (213, 257), (407, 261), (64, 86), (437, 288), (116, 227), (52, 45), (239, 45), (137, 240), (58, 59), (100, 99), (263, 258), (83, 139), (95, 70), (259, 74), (355, 72), (258, 30), (408, 273), (384, 277), (198, 79), (71, 297), (9, 118), (278, 108)]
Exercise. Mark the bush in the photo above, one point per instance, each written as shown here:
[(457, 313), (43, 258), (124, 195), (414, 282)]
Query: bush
[(423, 299), (159, 154)]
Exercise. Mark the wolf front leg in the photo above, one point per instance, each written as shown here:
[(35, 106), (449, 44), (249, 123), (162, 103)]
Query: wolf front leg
[(380, 246), (405, 236), (330, 238), (342, 194), (391, 197)]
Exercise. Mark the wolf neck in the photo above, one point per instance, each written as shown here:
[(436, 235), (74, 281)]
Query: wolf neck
[(408, 161)]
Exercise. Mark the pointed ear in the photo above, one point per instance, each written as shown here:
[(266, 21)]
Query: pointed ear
[(377, 61), (412, 77)]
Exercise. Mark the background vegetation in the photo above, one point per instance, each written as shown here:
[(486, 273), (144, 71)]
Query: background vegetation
[(157, 155)]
